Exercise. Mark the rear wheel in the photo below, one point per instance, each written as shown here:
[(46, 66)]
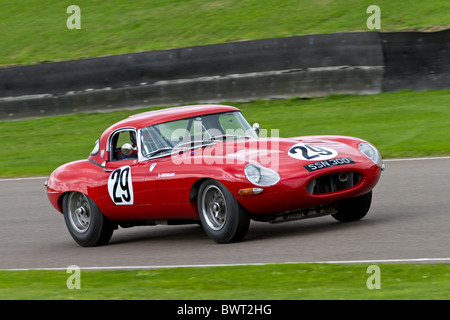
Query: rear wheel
[(353, 209), (84, 220), (222, 218)]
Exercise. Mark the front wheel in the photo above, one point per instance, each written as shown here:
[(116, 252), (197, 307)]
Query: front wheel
[(84, 220), (221, 216), (353, 209)]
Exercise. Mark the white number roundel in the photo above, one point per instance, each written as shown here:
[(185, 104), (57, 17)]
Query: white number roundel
[(305, 151), (120, 187)]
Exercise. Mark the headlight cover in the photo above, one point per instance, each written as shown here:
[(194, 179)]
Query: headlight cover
[(370, 152), (261, 176)]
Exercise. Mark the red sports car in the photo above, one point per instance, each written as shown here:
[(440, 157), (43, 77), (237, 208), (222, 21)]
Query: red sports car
[(205, 164)]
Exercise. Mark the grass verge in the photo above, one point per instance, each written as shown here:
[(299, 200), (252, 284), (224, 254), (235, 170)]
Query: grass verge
[(35, 31), (262, 282), (400, 124)]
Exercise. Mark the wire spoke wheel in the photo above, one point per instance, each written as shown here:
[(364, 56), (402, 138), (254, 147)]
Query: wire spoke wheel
[(79, 212), (84, 220), (221, 216), (214, 208)]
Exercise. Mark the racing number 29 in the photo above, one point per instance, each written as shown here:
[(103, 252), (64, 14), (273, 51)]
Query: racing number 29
[(309, 152), (120, 187)]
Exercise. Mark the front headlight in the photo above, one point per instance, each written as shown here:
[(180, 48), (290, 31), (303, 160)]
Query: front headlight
[(260, 175), (370, 152)]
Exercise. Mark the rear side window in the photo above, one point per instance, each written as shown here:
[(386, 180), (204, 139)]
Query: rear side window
[(96, 148)]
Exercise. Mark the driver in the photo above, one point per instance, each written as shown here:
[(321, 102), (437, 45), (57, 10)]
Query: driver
[(128, 152)]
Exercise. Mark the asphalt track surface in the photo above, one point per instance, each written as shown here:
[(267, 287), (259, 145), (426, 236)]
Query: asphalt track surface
[(408, 222)]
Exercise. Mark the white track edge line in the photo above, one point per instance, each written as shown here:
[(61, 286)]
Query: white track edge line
[(235, 264), (25, 178), (417, 159)]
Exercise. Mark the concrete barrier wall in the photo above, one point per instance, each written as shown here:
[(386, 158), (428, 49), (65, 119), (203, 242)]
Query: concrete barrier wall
[(416, 60), (300, 66)]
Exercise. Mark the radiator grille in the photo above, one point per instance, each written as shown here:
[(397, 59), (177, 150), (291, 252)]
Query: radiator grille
[(333, 182)]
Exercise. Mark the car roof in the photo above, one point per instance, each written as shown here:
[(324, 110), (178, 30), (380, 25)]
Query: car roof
[(153, 117)]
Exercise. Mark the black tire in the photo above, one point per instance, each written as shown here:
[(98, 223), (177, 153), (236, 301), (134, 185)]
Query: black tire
[(353, 209), (222, 218), (84, 220)]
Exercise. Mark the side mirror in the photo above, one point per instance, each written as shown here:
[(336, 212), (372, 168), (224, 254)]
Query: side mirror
[(256, 127)]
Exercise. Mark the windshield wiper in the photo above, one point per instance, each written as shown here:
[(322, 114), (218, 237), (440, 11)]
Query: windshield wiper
[(155, 152), (195, 143), (224, 136)]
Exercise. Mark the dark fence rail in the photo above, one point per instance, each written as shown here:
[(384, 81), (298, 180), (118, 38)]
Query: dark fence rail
[(300, 66)]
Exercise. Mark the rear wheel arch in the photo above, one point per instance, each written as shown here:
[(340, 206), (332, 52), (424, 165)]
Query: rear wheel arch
[(88, 227), (85, 192), (61, 201)]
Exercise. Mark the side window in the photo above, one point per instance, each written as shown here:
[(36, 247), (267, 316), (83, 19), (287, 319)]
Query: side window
[(96, 148), (234, 123), (123, 145), (229, 121)]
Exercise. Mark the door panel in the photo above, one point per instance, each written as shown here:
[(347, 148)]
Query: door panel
[(131, 197)]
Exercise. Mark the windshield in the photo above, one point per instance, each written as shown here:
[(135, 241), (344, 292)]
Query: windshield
[(162, 138)]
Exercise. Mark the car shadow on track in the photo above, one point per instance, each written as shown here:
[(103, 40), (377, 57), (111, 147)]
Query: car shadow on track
[(299, 229), (158, 233), (258, 231)]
